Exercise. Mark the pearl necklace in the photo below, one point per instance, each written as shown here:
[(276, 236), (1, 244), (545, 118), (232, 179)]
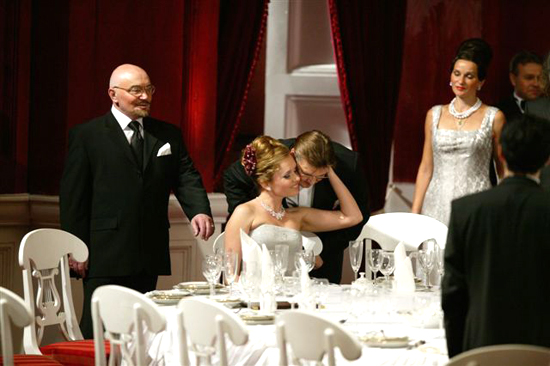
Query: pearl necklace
[(278, 215), (461, 116)]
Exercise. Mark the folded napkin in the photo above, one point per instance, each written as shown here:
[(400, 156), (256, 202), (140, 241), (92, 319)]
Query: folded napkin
[(268, 270), (310, 242), (403, 272), (251, 251), (306, 300)]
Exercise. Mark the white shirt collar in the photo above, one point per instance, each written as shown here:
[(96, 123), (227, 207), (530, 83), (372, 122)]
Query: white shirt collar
[(123, 120), (518, 100)]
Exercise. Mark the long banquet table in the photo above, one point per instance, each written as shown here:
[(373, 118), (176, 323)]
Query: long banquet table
[(416, 315)]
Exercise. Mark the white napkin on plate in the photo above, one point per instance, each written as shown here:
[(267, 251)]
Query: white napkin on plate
[(403, 273), (306, 300)]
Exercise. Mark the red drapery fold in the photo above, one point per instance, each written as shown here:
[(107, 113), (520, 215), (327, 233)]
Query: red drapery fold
[(367, 39), (241, 34)]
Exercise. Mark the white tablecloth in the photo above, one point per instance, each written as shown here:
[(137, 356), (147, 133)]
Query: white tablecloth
[(390, 312)]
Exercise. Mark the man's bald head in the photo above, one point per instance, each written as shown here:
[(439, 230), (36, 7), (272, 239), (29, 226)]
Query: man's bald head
[(125, 80), (126, 72)]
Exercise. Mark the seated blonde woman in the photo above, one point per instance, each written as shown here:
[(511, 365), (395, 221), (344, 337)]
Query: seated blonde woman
[(264, 218)]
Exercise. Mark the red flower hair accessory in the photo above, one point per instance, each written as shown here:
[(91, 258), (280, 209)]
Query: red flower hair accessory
[(249, 160)]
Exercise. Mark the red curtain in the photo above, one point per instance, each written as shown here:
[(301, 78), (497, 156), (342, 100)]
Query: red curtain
[(367, 38), (15, 38), (77, 44), (434, 29), (239, 49)]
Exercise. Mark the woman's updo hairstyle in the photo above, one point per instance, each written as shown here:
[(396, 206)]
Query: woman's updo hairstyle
[(262, 158), (477, 51)]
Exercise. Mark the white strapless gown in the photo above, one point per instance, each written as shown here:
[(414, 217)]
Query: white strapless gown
[(272, 235)]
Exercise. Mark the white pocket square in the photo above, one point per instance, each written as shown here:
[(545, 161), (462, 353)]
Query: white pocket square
[(164, 150)]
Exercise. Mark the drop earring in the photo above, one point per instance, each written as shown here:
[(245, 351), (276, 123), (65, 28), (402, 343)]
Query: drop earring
[(450, 83)]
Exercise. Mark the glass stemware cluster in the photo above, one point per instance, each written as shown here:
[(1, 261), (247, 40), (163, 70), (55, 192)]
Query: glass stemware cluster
[(430, 256), (307, 256)]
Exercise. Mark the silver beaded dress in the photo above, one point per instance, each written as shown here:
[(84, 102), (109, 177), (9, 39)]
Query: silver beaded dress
[(460, 164), (272, 235)]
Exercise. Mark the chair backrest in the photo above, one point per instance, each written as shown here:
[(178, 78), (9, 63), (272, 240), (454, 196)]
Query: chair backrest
[(13, 310), (43, 255), (206, 324), (118, 314), (503, 355), (389, 229), (312, 337), (314, 241), (219, 243)]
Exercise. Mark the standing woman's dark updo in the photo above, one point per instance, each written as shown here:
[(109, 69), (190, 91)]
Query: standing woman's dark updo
[(460, 137)]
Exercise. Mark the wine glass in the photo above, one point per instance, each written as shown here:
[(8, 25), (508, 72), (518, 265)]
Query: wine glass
[(212, 269), (355, 255), (250, 280), (231, 262), (284, 257), (426, 261), (374, 257), (307, 256), (291, 289), (387, 265)]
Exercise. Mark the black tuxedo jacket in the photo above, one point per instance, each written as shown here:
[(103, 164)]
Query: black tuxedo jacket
[(240, 188), (541, 108), (510, 108), (495, 289), (118, 210)]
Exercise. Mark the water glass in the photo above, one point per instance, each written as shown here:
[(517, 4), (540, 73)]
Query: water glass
[(387, 265), (426, 261), (250, 279), (355, 255), (374, 257), (230, 266), (212, 269), (307, 256)]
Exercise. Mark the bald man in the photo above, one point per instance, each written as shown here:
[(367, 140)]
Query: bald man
[(119, 173)]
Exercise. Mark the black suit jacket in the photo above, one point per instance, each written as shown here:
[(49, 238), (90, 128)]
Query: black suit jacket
[(120, 212), (240, 188), (510, 108), (541, 108), (495, 289)]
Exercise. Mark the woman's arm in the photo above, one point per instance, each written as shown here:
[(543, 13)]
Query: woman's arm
[(326, 220), (498, 123), (425, 169), (242, 218)]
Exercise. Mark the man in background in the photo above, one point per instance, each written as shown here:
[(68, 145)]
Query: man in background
[(314, 153), (495, 288), (525, 76), (119, 173)]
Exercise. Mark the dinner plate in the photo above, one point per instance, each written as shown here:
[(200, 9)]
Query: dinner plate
[(258, 318), (196, 285), (168, 297), (230, 302), (380, 341)]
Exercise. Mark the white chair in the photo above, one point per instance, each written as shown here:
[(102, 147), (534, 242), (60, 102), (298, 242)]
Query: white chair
[(43, 255), (503, 355), (312, 241), (14, 311), (389, 229), (206, 324), (312, 337), (118, 315), (219, 243)]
